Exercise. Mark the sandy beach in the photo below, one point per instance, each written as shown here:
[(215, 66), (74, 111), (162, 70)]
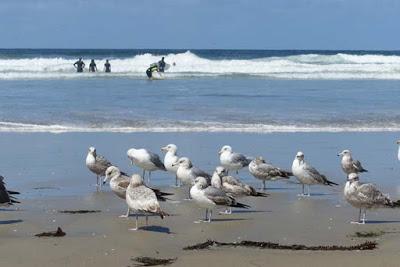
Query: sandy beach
[(49, 171)]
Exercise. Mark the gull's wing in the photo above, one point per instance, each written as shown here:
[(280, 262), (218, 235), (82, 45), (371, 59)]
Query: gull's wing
[(240, 159), (155, 159)]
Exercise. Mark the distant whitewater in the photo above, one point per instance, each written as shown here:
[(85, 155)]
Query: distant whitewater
[(307, 66)]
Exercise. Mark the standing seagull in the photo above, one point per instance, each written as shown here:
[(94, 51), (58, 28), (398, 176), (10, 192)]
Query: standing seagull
[(232, 186), (145, 160), (97, 164), (142, 199), (119, 182), (5, 198), (306, 174), (232, 161), (365, 196), (349, 165), (209, 197), (264, 171), (171, 158), (187, 173)]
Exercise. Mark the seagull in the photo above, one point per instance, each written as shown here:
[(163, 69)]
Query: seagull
[(142, 199), (209, 196), (365, 196), (186, 173), (5, 198), (97, 164), (349, 165), (232, 161), (119, 182), (145, 160), (264, 171), (306, 174), (232, 186), (170, 158)]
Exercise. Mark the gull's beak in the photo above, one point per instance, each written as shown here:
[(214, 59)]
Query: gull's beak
[(105, 180), (164, 149), (220, 152), (174, 164), (398, 142), (339, 154)]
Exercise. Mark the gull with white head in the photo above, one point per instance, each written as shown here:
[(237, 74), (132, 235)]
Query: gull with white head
[(187, 173), (209, 197), (307, 175), (365, 196), (233, 186), (146, 160), (97, 164), (232, 161), (171, 158)]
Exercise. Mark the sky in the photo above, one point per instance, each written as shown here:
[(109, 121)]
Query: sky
[(201, 24)]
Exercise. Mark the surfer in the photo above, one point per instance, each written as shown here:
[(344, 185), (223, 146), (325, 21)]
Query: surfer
[(161, 65), (79, 65), (92, 66), (107, 66), (151, 69)]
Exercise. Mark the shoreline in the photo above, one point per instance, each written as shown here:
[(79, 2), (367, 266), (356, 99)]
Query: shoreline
[(56, 162)]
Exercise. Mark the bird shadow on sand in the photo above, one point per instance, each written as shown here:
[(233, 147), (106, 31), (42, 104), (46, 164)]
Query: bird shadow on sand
[(10, 222), (247, 211), (156, 229), (8, 210), (228, 219), (382, 222)]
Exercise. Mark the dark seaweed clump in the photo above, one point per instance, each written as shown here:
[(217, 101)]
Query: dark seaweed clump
[(270, 245), (58, 233), (148, 261), (78, 211)]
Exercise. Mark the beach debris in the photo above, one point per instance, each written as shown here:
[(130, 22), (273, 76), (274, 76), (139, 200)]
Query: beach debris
[(270, 245), (58, 233), (78, 211), (368, 234), (148, 261)]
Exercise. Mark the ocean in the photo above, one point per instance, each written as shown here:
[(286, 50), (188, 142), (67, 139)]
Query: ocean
[(254, 91)]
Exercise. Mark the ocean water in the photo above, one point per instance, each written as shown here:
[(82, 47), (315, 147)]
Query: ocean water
[(207, 91)]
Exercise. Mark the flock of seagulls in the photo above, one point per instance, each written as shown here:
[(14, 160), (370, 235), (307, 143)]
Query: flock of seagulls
[(219, 189)]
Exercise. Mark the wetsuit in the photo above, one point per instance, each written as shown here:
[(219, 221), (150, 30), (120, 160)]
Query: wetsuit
[(150, 70), (107, 67), (79, 65), (92, 67), (161, 65)]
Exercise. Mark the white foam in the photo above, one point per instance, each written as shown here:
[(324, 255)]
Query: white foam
[(308, 66), (7, 127)]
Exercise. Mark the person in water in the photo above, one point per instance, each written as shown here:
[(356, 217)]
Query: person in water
[(107, 66), (151, 69), (92, 66), (161, 65), (79, 65)]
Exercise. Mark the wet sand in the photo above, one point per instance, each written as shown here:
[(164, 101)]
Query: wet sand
[(56, 162)]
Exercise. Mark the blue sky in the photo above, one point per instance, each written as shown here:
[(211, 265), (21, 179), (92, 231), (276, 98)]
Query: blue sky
[(236, 24)]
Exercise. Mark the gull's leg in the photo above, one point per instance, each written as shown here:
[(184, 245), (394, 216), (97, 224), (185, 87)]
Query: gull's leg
[(308, 190), (363, 217), (227, 211), (148, 177), (264, 187), (209, 217), (176, 180), (143, 174), (147, 220), (125, 215), (134, 229), (206, 215), (237, 171), (359, 218)]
